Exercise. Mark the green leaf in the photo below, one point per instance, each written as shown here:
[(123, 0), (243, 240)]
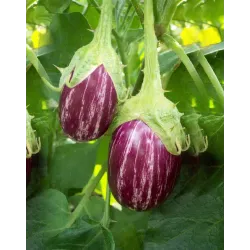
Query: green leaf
[(55, 6), (127, 228), (192, 218), (84, 234), (134, 35), (92, 16), (38, 15), (93, 209), (46, 216), (126, 225), (108, 238), (44, 50), (37, 93), (122, 9), (168, 59), (72, 165), (69, 32), (201, 12), (78, 6), (30, 3), (184, 92), (213, 48)]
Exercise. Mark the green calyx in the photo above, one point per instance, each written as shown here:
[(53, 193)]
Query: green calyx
[(98, 52), (161, 115), (150, 105), (33, 145), (199, 142)]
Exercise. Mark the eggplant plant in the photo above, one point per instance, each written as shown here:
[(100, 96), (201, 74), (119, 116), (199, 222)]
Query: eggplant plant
[(144, 158), (129, 124)]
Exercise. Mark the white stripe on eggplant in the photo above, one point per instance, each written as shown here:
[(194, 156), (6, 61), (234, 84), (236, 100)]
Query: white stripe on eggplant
[(124, 160), (101, 102), (65, 113), (144, 169), (118, 135), (85, 123), (159, 187), (150, 171), (135, 189), (81, 122)]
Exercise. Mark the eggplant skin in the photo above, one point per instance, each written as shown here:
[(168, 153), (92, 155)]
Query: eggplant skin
[(87, 110), (141, 171)]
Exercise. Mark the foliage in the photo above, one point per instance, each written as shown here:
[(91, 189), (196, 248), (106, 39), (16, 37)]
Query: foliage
[(192, 218)]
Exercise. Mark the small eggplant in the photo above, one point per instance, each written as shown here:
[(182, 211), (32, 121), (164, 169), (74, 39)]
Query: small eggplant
[(141, 172)]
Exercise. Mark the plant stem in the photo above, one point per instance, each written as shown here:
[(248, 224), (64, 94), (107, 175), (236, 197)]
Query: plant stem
[(212, 76), (177, 48), (39, 68), (119, 45), (106, 219), (90, 187), (168, 12), (152, 80), (104, 28), (138, 10)]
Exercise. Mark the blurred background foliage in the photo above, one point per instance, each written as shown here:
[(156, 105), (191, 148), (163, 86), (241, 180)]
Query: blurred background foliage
[(55, 29)]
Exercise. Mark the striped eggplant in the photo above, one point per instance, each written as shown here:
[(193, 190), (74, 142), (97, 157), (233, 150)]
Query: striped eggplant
[(92, 85), (148, 138), (87, 109), (141, 172)]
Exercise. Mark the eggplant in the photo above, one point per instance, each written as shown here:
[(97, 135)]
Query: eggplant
[(87, 109), (92, 84), (141, 172)]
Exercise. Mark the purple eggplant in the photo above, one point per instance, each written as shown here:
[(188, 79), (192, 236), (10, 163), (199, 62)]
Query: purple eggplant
[(87, 109), (28, 169), (141, 172)]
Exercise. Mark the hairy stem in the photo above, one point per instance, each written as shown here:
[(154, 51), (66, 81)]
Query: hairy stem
[(90, 187), (177, 48), (212, 77), (152, 80), (104, 28)]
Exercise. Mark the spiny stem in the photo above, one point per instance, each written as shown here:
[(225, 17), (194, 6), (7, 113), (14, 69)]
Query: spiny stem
[(152, 80), (106, 219), (104, 28), (119, 45), (138, 10), (211, 75), (177, 48), (39, 68), (90, 187)]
